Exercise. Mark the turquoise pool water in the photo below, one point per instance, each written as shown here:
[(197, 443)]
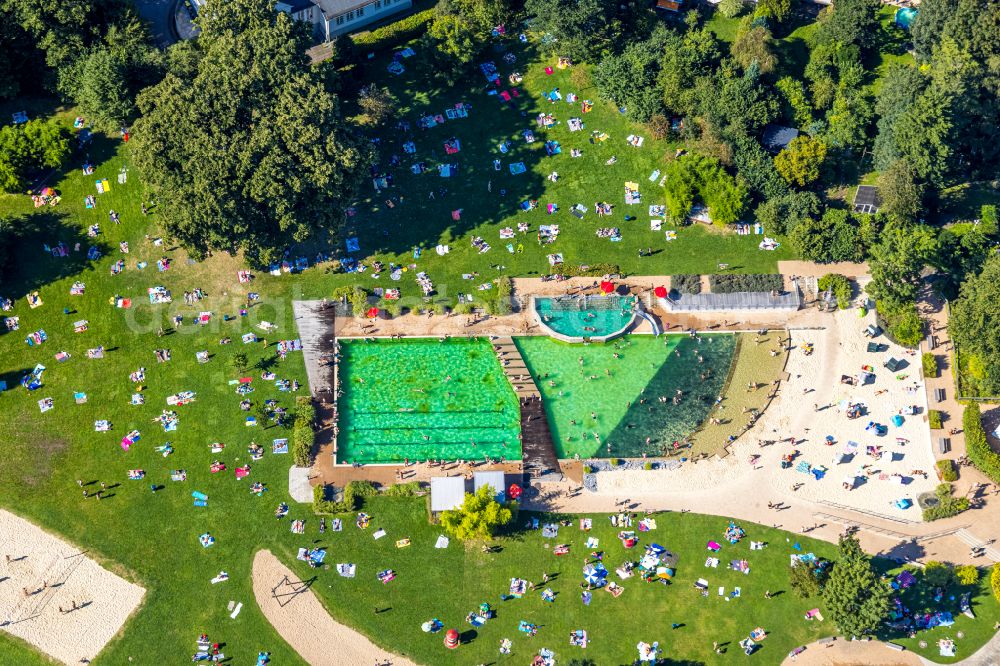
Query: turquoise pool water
[(579, 382), (398, 402), (587, 316), (905, 16)]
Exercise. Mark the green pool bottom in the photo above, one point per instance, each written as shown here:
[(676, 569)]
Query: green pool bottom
[(624, 393), (398, 402)]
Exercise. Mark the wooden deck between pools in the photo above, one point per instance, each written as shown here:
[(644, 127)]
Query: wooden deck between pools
[(538, 450)]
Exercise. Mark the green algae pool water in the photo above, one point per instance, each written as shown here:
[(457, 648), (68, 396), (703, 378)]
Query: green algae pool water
[(626, 393), (585, 317), (398, 402)]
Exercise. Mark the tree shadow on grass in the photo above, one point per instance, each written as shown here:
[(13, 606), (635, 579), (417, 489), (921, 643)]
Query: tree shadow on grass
[(35, 267), (419, 220)]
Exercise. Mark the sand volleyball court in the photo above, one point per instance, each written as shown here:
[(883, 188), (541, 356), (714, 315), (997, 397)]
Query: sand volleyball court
[(56, 598)]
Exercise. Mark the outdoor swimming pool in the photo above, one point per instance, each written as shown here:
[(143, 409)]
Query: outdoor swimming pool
[(585, 316), (398, 402), (579, 382)]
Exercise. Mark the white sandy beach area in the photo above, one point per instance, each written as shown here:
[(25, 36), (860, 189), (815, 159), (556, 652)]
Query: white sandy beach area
[(839, 349)]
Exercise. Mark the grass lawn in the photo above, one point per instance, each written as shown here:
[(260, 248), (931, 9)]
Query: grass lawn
[(448, 584), (490, 199), (975, 633)]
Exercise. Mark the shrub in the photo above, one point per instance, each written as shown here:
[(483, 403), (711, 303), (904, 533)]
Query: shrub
[(985, 459), (967, 574), (360, 489), (393, 308), (729, 284), (408, 489), (934, 419), (686, 283), (929, 363), (499, 303), (840, 286), (947, 506), (322, 505), (647, 466), (901, 322), (659, 126), (947, 470), (303, 436), (995, 580), (938, 574), (392, 35), (589, 270)]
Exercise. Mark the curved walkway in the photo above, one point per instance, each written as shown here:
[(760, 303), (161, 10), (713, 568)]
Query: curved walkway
[(841, 652), (297, 614)]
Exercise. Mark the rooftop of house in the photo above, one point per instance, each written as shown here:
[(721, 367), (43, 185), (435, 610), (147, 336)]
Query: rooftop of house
[(776, 137)]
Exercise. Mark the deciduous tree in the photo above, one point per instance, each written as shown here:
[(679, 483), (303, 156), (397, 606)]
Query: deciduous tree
[(851, 22), (902, 196), (243, 143), (800, 162), (754, 44), (479, 517), (857, 600)]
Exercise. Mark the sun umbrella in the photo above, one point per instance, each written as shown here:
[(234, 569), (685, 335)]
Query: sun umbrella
[(48, 192), (660, 292), (373, 312), (591, 575), (515, 491), (607, 286)]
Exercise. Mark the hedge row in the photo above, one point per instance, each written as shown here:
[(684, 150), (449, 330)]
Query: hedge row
[(977, 447), (303, 435), (728, 284), (354, 494), (394, 34), (947, 469), (995, 580), (686, 283), (929, 363), (591, 270), (934, 419)]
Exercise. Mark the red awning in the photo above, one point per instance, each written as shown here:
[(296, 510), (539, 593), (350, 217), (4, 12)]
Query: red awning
[(660, 292), (373, 312), (607, 287)]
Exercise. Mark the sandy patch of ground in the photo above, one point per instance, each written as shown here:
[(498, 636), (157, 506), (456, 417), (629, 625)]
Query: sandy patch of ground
[(840, 349), (302, 620), (853, 653), (40, 574)]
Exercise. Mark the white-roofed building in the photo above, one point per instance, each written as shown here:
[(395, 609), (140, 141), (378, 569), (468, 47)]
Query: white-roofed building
[(494, 480), (447, 492)]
